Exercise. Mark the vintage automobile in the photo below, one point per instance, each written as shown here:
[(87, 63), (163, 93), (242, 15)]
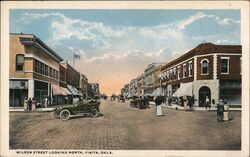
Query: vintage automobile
[(139, 102), (121, 98), (84, 108)]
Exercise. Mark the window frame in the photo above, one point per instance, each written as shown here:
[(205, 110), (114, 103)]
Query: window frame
[(190, 66), (20, 64), (203, 60), (224, 58)]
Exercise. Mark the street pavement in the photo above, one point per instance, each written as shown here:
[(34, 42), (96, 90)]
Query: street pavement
[(119, 127)]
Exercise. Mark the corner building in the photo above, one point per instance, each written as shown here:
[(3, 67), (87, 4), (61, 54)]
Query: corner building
[(34, 68), (208, 70)]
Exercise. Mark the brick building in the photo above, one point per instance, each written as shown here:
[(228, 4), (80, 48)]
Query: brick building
[(208, 70), (73, 81), (34, 69)]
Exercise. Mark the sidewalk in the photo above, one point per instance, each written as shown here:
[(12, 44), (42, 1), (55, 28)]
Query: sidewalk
[(174, 106), (48, 109)]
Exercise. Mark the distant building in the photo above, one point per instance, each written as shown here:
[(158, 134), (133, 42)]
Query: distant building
[(34, 69), (83, 86), (95, 92), (208, 70), (73, 81), (132, 88), (140, 84), (150, 76)]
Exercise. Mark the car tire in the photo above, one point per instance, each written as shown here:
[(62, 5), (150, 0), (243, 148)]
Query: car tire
[(94, 113), (65, 115)]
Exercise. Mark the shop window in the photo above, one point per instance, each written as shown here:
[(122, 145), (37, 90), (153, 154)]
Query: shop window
[(19, 62), (225, 65), (204, 67)]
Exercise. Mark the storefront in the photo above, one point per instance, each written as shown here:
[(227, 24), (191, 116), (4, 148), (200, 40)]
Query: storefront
[(230, 91), (42, 90), (18, 92)]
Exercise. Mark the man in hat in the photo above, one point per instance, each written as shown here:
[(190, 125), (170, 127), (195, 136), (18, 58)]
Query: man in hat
[(220, 110)]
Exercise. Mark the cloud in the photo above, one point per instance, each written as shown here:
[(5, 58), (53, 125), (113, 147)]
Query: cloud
[(200, 15), (154, 54), (225, 42)]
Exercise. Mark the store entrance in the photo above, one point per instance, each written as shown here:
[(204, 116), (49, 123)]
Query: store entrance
[(203, 93)]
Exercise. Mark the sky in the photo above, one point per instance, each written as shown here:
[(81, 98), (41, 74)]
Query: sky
[(116, 45)]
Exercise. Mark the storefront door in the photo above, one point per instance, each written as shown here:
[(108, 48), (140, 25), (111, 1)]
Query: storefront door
[(203, 93)]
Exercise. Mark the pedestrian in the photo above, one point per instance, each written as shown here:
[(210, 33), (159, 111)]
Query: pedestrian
[(33, 104), (185, 102), (45, 102), (226, 111), (158, 101), (29, 104), (207, 103), (220, 110), (25, 105), (169, 101)]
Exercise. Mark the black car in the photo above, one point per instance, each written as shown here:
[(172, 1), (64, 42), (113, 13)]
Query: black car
[(89, 108)]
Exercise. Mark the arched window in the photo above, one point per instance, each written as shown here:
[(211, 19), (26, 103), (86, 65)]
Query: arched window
[(19, 62), (204, 66)]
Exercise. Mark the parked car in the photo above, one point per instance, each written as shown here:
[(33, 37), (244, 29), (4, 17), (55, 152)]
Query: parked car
[(83, 108), (121, 98), (139, 102)]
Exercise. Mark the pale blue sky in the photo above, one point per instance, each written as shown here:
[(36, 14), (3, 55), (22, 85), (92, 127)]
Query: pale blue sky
[(125, 41)]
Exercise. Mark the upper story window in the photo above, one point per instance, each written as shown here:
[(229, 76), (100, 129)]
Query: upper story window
[(174, 73), (179, 73), (184, 71), (204, 66), (19, 62), (190, 69), (225, 65)]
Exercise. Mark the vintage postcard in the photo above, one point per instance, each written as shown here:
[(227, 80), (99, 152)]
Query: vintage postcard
[(124, 78)]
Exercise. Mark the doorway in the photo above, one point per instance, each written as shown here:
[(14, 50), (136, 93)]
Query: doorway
[(203, 93)]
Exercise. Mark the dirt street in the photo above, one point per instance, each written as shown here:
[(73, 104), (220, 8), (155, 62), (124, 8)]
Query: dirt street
[(120, 127)]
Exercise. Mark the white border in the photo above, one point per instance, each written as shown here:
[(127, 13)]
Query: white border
[(243, 5)]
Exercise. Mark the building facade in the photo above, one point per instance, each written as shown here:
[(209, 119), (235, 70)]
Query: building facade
[(34, 69), (133, 87), (73, 81), (83, 85), (140, 84), (95, 90), (151, 80), (208, 70)]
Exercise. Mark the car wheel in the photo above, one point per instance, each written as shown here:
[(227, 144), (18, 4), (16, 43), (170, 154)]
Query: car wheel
[(94, 112), (65, 114)]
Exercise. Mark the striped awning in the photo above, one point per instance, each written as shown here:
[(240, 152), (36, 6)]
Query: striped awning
[(57, 90)]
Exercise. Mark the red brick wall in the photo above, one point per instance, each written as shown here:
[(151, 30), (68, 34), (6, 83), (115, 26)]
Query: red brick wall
[(183, 80), (234, 68), (210, 68)]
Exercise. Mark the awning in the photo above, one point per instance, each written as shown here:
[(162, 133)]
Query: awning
[(73, 90), (66, 91), (58, 90), (186, 89), (156, 92)]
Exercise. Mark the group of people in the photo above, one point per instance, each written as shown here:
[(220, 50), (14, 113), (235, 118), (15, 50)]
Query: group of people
[(32, 104), (222, 111), (186, 101)]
